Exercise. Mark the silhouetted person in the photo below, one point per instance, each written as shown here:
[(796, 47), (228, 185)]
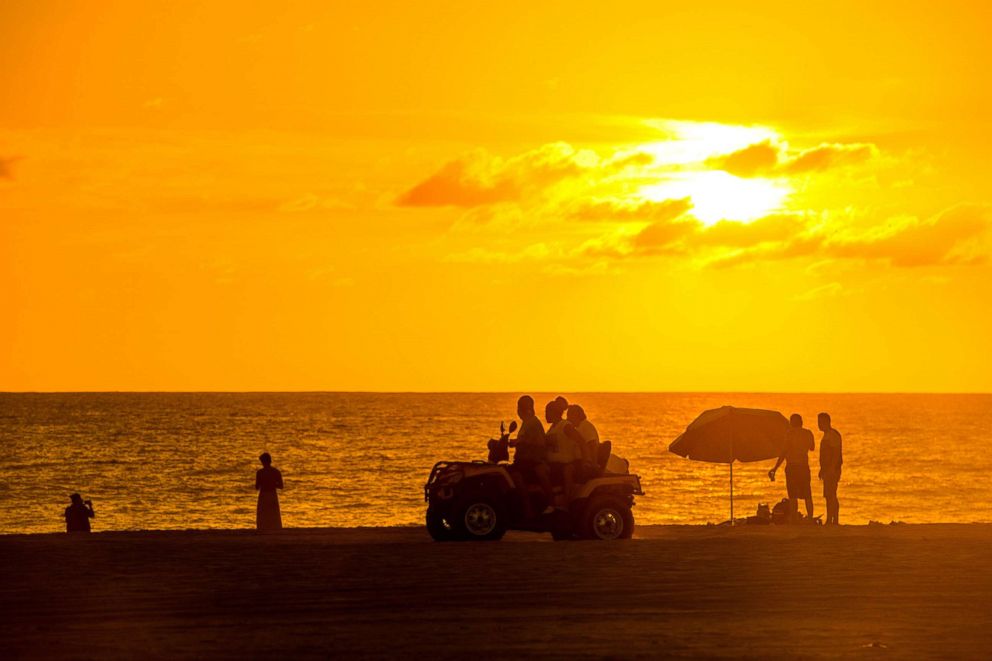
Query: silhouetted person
[(564, 443), (798, 445), (529, 458), (78, 514), (590, 436), (267, 480), (831, 459)]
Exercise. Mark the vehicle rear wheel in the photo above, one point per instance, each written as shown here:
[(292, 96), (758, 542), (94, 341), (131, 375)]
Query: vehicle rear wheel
[(481, 519), (439, 527), (607, 517)]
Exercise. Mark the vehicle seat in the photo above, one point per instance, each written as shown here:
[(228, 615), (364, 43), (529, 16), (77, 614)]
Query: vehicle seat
[(603, 454)]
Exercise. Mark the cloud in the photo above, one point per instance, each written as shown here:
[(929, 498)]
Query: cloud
[(663, 237), (777, 227), (6, 169), (624, 210), (751, 161), (544, 189), (766, 159), (684, 234), (951, 237), (480, 178), (959, 235), (828, 156)]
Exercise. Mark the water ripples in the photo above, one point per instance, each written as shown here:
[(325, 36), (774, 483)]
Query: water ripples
[(187, 460)]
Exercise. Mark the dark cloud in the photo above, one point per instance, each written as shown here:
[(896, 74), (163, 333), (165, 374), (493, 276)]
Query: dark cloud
[(768, 159), (480, 178), (751, 161), (828, 156), (664, 237)]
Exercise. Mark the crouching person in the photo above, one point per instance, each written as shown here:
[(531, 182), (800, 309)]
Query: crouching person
[(78, 514)]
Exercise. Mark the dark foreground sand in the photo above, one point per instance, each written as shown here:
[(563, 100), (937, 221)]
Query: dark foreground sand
[(761, 592)]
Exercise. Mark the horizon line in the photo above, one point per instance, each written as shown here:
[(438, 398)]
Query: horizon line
[(489, 392)]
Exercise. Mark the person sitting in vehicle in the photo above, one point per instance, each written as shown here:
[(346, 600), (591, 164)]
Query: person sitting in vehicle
[(529, 458), (565, 446), (590, 436)]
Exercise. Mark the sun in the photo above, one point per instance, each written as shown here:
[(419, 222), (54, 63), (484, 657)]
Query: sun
[(680, 169), (718, 195)]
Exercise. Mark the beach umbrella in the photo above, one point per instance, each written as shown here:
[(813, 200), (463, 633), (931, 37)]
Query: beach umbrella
[(729, 434)]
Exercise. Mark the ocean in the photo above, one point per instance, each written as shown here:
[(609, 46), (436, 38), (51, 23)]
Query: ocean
[(187, 460)]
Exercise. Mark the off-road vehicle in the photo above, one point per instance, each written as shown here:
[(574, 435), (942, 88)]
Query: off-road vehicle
[(479, 500)]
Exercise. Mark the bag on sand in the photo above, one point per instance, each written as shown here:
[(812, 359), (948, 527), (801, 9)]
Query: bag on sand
[(780, 513), (763, 516)]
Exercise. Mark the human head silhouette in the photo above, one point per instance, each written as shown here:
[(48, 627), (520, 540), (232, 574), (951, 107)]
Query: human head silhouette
[(553, 411), (525, 406), (796, 420), (823, 421), (76, 499), (265, 458), (576, 414)]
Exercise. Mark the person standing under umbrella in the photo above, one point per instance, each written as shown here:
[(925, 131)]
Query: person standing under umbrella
[(831, 459), (798, 445), (267, 480)]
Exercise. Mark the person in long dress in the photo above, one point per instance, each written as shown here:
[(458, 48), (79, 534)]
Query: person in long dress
[(267, 480)]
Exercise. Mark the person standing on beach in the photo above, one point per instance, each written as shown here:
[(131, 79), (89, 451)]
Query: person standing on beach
[(267, 480), (78, 514), (831, 459), (798, 445)]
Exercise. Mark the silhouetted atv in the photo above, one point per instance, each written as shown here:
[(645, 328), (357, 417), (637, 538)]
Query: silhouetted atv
[(478, 500)]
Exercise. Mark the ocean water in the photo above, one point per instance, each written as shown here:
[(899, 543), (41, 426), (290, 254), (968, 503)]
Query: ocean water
[(187, 460)]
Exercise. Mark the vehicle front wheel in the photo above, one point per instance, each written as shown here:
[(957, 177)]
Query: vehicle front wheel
[(481, 519), (439, 527), (607, 517)]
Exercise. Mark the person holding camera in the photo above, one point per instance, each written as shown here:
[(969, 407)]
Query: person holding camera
[(795, 452), (78, 514)]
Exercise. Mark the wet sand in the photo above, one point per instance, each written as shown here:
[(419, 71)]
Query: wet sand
[(760, 592)]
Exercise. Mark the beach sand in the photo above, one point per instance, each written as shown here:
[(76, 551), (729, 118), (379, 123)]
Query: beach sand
[(901, 591)]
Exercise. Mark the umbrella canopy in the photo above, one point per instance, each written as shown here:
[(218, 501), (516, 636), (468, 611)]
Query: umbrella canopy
[(729, 434)]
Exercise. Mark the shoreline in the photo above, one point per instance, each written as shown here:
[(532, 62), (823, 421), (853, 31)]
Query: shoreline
[(643, 531)]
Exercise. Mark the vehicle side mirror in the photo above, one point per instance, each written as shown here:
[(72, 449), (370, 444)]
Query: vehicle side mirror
[(513, 426)]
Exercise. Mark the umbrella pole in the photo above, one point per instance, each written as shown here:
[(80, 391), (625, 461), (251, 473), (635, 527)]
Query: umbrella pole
[(731, 492)]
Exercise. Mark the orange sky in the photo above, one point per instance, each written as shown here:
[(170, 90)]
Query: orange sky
[(495, 196)]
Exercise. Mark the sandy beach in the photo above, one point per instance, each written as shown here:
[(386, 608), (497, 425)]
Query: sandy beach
[(867, 592)]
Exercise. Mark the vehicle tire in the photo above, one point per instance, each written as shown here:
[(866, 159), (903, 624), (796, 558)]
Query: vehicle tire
[(480, 519), (607, 517), (440, 528)]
